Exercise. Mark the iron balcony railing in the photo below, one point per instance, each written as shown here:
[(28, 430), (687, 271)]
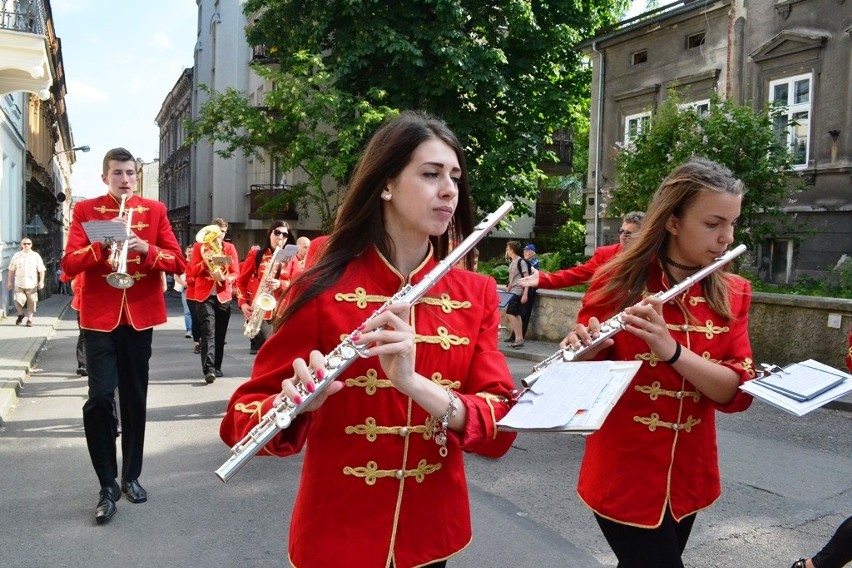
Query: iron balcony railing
[(26, 16)]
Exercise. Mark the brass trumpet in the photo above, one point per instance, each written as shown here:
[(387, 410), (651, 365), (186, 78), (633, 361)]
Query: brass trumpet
[(211, 249), (119, 278)]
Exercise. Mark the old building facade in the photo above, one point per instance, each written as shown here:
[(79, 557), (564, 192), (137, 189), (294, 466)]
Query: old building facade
[(793, 52)]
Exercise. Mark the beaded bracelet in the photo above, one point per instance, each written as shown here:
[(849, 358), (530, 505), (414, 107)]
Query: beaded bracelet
[(442, 424)]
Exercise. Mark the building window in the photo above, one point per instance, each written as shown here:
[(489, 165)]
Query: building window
[(701, 108), (634, 125), (695, 40), (638, 57), (793, 124)]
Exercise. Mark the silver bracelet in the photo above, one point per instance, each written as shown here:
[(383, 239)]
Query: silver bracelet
[(442, 425)]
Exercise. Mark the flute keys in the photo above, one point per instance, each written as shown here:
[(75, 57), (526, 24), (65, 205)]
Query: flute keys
[(333, 362), (347, 352)]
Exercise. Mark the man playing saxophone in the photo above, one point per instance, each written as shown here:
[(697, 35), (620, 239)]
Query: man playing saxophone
[(257, 279), (212, 271), (117, 322)]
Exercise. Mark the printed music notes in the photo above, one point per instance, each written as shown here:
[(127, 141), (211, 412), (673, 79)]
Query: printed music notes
[(801, 387), (573, 397), (105, 231)]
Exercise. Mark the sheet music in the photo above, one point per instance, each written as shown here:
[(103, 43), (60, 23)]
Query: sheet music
[(285, 254), (222, 260), (793, 406), (571, 396), (802, 381), (100, 231)]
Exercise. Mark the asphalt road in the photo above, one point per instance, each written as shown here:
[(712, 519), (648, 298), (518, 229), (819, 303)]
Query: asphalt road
[(787, 482)]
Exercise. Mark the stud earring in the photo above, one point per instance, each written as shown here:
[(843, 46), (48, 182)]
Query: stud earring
[(386, 195)]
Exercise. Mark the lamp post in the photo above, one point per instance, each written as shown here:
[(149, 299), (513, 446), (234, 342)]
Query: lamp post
[(81, 148)]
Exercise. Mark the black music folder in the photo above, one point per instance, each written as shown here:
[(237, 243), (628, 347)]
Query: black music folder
[(801, 387)]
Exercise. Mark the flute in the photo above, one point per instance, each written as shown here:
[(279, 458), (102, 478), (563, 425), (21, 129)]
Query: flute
[(282, 415), (615, 324)]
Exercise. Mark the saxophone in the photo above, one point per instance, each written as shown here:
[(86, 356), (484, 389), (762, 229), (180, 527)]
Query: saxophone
[(263, 300), (339, 359)]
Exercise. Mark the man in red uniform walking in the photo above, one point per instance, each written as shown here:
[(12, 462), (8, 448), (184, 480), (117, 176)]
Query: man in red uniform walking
[(118, 322)]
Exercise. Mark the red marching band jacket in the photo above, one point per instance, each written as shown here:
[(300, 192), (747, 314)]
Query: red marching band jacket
[(657, 447), (249, 280), (374, 484), (103, 307), (200, 282), (579, 274)]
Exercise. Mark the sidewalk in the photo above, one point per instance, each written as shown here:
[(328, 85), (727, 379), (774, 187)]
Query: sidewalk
[(20, 345)]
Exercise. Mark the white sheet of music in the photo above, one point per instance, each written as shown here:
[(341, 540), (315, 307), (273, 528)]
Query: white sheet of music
[(574, 396), (799, 408)]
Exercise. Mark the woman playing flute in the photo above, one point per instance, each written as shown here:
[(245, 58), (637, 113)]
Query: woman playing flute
[(383, 480), (653, 465)]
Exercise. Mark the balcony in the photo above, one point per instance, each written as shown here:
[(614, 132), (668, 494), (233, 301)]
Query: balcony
[(24, 57), (270, 201)]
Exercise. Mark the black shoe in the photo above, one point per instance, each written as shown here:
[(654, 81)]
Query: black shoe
[(19, 320), (510, 339), (218, 373), (81, 370), (106, 503), (252, 351), (209, 376), (135, 492), (197, 349)]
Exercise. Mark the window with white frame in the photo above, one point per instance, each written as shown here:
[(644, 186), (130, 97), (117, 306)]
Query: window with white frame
[(701, 108), (634, 125), (793, 124)]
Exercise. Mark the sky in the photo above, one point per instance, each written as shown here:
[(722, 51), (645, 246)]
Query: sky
[(121, 59)]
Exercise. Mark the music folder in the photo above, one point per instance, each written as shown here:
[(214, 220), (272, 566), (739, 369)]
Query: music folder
[(570, 397), (286, 254), (105, 231), (801, 387)]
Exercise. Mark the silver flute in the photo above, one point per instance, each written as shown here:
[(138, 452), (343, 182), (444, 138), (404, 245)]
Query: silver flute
[(615, 324), (282, 415)]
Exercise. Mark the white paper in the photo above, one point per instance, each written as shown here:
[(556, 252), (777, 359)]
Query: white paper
[(575, 396), (800, 408), (802, 381)]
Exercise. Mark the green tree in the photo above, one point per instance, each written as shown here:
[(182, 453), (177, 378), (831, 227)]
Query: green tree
[(503, 74), (738, 137)]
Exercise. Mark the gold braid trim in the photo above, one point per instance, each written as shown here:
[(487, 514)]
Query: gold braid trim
[(446, 304), (443, 338), (369, 381), (253, 408), (490, 399), (695, 300), (654, 392), (360, 297), (653, 422), (371, 472), (162, 256), (438, 379), (88, 249), (372, 431)]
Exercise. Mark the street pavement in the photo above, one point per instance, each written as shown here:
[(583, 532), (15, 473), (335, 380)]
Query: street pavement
[(784, 493)]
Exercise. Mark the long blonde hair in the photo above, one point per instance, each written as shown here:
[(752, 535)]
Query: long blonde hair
[(626, 275)]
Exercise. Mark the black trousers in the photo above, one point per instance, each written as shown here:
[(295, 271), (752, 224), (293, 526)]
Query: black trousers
[(196, 328), (636, 547), (81, 345), (116, 359), (213, 317), (526, 310), (837, 552)]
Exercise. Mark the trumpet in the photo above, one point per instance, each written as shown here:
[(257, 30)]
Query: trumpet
[(264, 301), (339, 359), (615, 324), (119, 278), (210, 248)]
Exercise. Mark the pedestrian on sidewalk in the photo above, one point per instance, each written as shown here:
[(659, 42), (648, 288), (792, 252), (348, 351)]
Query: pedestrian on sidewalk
[(653, 464), (518, 268), (26, 278), (118, 322)]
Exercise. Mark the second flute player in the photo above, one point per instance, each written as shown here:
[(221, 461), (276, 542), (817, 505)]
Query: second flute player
[(383, 480), (653, 465)]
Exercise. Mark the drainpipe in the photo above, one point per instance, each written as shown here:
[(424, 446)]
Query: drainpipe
[(598, 121)]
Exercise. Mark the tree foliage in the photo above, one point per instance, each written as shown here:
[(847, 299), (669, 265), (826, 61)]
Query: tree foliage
[(504, 75), (735, 136)]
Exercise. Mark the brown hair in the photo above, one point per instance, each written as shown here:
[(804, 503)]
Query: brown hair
[(118, 155), (360, 220), (626, 275)]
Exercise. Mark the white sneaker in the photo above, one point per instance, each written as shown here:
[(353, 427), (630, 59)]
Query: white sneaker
[(188, 335)]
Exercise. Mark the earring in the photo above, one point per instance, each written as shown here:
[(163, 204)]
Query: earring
[(386, 195)]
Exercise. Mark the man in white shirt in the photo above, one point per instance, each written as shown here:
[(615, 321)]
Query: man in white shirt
[(26, 278)]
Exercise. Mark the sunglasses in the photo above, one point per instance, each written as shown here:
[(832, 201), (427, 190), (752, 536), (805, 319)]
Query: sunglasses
[(278, 233), (625, 233), (26, 244)]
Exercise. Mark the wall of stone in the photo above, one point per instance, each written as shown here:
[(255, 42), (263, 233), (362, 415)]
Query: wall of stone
[(784, 329)]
